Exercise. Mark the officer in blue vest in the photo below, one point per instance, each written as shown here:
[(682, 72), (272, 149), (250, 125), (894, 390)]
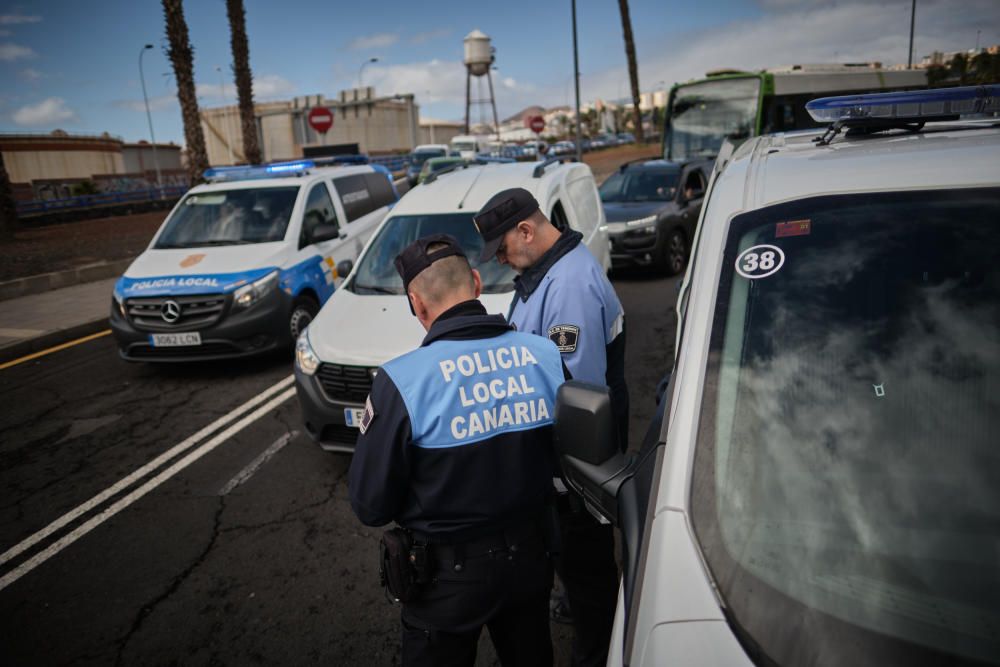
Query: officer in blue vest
[(562, 293), (456, 447)]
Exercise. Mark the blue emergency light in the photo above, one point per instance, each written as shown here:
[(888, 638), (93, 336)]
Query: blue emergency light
[(914, 106), (218, 174)]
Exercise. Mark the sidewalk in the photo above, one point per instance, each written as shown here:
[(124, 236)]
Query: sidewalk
[(38, 321)]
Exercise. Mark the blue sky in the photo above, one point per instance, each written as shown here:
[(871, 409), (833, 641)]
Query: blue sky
[(74, 65)]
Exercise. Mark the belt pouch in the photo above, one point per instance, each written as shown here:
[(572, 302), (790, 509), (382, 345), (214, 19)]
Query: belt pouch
[(395, 569)]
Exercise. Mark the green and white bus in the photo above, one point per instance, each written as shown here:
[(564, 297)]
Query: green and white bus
[(730, 104)]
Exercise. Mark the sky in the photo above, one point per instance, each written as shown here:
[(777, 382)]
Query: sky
[(75, 65)]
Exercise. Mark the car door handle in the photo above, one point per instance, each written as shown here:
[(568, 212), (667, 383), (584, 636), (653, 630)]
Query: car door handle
[(343, 235)]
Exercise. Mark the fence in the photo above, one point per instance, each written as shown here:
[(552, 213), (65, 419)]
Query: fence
[(40, 206)]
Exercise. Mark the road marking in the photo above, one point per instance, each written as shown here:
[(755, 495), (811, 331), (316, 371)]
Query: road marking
[(128, 481), (33, 562), (245, 474), (35, 355)]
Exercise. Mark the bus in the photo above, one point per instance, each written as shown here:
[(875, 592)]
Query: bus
[(737, 105)]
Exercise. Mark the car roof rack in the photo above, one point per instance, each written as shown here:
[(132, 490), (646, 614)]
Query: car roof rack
[(904, 110), (540, 168)]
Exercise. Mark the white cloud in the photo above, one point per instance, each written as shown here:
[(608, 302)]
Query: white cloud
[(50, 111), (17, 19), (30, 74), (431, 82), (509, 83), (377, 41), (429, 36), (802, 31), (269, 86), (5, 33), (11, 52), (266, 87)]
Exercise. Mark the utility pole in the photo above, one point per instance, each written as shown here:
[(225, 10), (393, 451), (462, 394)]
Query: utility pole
[(576, 83), (149, 118), (229, 136), (913, 18)]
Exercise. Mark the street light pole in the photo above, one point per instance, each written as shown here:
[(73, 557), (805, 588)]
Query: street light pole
[(576, 84), (149, 118), (362, 69), (913, 18), (229, 135)]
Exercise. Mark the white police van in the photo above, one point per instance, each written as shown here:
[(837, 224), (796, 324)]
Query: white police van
[(823, 487), (368, 321), (242, 264)]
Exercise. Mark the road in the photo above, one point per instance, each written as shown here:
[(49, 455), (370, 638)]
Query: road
[(235, 542)]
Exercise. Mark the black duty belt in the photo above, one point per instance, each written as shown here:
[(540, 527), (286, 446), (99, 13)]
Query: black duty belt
[(525, 537)]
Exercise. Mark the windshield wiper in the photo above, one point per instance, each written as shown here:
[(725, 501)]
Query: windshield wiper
[(215, 242), (377, 288)]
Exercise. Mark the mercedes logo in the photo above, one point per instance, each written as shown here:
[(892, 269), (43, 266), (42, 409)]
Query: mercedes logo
[(170, 311)]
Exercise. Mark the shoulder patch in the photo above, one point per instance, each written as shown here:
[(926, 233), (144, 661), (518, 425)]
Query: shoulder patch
[(368, 417), (565, 336)]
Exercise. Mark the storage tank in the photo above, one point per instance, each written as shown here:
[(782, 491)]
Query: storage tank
[(478, 53)]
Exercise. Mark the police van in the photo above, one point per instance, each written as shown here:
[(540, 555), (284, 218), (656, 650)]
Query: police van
[(368, 321), (822, 489), (243, 263)]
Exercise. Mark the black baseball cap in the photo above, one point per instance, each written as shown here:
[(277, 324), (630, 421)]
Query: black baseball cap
[(414, 258), (502, 212)]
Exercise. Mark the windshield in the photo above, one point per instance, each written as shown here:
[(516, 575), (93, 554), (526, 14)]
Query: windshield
[(229, 217), (845, 487), (463, 146), (420, 157), (640, 185), (703, 114), (376, 273)]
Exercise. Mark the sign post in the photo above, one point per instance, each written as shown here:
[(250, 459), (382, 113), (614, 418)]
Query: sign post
[(320, 119)]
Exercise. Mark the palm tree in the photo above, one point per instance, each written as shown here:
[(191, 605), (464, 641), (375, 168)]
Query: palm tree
[(8, 209), (244, 80), (633, 67), (182, 57)]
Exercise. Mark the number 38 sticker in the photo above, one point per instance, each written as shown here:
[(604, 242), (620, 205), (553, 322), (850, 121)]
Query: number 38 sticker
[(760, 261)]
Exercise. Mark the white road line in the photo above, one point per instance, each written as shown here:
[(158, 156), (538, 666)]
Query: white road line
[(245, 474), (126, 482), (36, 560)]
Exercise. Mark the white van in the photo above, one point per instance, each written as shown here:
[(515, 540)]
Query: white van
[(242, 264), (368, 321), (467, 146)]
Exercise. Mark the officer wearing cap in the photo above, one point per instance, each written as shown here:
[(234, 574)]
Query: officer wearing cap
[(563, 293), (455, 446)]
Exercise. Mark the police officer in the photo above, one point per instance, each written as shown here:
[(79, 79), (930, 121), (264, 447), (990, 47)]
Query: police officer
[(562, 293), (455, 446)]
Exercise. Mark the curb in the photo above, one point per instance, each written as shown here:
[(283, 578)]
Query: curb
[(45, 282), (51, 338)]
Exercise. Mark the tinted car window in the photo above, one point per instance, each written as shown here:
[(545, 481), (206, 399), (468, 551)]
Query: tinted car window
[(845, 485), (376, 272), (354, 195), (380, 190), (229, 217), (319, 211), (640, 185)]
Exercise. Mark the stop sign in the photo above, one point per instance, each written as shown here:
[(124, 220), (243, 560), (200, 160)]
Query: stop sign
[(320, 119), (535, 123)]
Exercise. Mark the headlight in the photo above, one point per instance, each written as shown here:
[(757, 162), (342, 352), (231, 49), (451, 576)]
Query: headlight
[(304, 356), (641, 222), (120, 303), (248, 295)]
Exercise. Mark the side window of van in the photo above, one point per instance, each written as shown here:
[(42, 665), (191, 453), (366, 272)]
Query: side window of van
[(558, 217), (319, 211), (354, 195), (586, 203), (380, 190)]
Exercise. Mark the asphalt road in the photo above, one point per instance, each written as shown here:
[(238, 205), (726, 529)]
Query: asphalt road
[(235, 544)]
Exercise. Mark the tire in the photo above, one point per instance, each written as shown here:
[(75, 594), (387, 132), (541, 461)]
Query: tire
[(673, 257), (303, 312)]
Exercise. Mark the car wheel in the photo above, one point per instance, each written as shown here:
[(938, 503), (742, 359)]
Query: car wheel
[(675, 252), (303, 312)]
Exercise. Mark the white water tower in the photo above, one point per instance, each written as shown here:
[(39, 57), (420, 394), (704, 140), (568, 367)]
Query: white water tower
[(479, 57)]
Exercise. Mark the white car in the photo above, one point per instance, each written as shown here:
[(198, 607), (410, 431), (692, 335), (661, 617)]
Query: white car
[(823, 488), (368, 321), (243, 263)]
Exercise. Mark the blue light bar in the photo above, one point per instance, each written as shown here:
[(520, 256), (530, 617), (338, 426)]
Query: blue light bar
[(219, 174), (909, 106)]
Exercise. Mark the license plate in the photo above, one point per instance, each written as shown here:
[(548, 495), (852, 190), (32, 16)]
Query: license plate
[(353, 416), (175, 339)]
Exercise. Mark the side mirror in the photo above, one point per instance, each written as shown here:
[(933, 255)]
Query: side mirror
[(324, 232), (344, 267), (587, 442)]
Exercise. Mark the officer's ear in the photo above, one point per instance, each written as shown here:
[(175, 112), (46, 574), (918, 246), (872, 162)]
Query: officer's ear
[(477, 281), (419, 309), (526, 230)]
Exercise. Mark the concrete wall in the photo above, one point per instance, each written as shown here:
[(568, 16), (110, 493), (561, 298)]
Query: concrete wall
[(438, 133), (139, 157)]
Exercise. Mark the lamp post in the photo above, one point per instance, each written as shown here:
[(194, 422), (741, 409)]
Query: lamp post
[(576, 84), (229, 135), (362, 69), (149, 118)]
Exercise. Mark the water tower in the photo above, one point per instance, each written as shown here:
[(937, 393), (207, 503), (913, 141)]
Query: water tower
[(479, 58)]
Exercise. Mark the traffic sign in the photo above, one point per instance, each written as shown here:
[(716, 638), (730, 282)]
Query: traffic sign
[(535, 123), (320, 119)]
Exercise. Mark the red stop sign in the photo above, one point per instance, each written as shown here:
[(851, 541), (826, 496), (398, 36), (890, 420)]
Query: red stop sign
[(320, 119), (536, 123)]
